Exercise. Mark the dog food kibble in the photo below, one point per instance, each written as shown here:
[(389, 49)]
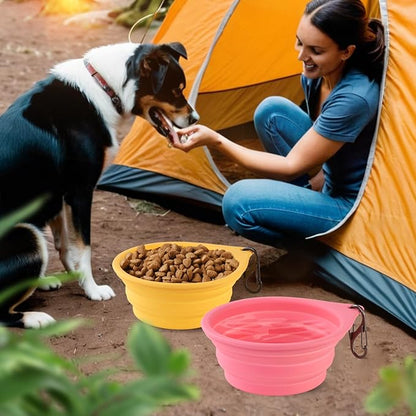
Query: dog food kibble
[(173, 263)]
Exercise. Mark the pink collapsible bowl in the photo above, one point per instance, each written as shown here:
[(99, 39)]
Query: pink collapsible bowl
[(277, 346)]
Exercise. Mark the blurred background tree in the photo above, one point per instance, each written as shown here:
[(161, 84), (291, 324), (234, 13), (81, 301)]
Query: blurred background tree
[(125, 16), (128, 16)]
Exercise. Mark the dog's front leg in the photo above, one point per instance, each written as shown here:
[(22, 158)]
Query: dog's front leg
[(61, 238), (73, 239)]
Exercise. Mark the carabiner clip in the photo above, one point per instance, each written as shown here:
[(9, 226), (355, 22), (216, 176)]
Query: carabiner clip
[(258, 278), (362, 331)]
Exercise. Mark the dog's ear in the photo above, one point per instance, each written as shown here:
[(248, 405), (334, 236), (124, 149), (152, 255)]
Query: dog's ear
[(176, 49), (158, 77), (155, 66)]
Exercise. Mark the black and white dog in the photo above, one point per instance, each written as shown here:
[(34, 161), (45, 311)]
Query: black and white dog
[(56, 139)]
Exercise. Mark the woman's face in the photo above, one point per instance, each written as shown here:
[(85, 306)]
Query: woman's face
[(320, 55)]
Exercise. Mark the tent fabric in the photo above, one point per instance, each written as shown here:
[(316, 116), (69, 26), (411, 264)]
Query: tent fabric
[(240, 52), (359, 280), (228, 89), (124, 178), (181, 196)]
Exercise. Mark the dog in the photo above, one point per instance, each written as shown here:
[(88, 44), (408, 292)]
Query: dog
[(55, 141)]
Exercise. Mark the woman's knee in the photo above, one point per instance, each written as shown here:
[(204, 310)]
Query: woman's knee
[(280, 124), (269, 107), (233, 206)]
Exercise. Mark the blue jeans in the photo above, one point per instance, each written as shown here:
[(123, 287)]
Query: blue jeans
[(273, 212)]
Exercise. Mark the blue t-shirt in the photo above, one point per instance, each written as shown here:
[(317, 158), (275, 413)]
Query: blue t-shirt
[(347, 115)]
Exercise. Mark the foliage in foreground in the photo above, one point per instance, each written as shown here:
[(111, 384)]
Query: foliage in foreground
[(35, 381), (396, 388)]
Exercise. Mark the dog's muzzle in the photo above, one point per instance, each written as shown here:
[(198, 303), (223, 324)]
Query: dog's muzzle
[(166, 127)]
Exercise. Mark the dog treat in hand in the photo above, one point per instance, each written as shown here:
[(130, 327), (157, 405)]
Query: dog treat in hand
[(184, 138), (173, 263)]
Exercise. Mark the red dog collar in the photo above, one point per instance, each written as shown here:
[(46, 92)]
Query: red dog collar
[(115, 99)]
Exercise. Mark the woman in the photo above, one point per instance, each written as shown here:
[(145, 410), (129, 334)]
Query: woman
[(342, 54)]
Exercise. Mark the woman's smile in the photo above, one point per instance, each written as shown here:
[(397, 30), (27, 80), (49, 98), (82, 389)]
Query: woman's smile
[(309, 68)]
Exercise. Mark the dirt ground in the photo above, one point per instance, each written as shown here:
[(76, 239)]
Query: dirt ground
[(29, 45)]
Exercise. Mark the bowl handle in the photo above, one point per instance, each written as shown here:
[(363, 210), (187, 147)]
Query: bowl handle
[(362, 331), (259, 283)]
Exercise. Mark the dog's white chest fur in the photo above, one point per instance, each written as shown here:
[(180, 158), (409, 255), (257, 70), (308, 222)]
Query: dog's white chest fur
[(110, 62)]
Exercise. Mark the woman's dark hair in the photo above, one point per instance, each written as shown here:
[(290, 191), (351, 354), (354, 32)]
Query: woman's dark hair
[(346, 23)]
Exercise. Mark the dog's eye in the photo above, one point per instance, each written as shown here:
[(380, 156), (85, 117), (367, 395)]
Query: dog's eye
[(177, 92)]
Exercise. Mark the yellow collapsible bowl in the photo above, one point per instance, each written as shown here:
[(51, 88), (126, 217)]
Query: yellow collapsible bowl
[(179, 305)]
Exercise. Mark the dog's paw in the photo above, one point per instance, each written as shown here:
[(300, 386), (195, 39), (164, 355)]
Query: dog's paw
[(36, 319), (49, 283), (102, 292)]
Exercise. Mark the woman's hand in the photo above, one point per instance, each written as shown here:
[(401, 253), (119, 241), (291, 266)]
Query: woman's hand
[(195, 136), (310, 151)]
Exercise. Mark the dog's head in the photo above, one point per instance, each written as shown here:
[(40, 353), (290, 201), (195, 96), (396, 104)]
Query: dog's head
[(160, 83)]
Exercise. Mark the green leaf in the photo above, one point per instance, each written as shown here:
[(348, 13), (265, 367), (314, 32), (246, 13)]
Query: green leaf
[(4, 336), (389, 374), (9, 221), (27, 350), (56, 329), (128, 406), (36, 381), (68, 398), (410, 382), (179, 362), (36, 405), (378, 401), (164, 390), (34, 283), (14, 409), (397, 387), (147, 393), (13, 387), (149, 349), (9, 292)]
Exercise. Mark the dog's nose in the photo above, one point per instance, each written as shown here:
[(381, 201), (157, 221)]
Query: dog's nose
[(193, 117)]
